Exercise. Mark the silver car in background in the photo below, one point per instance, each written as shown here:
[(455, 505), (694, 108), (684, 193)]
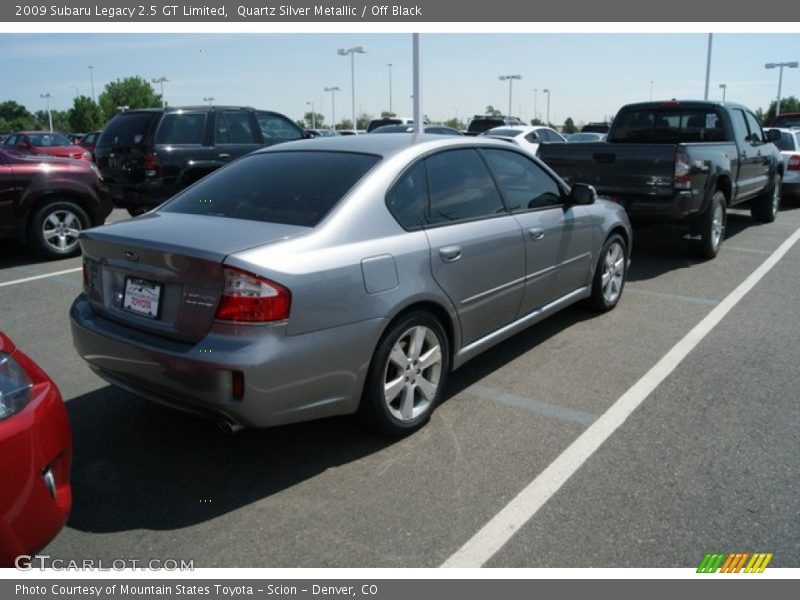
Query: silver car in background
[(789, 146), (340, 275)]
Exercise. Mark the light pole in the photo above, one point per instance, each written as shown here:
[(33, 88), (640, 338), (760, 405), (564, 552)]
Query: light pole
[(91, 80), (209, 99), (724, 88), (791, 65), (333, 90), (510, 79), (161, 80), (535, 97), (548, 106), (708, 64), (390, 86), (313, 115), (352, 52), (47, 97)]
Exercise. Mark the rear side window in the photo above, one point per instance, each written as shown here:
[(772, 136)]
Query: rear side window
[(292, 188), (669, 125), (181, 128), (787, 141), (234, 128), (127, 129), (460, 187), (525, 185), (408, 198)]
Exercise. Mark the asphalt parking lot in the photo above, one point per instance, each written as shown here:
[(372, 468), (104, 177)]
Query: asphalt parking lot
[(708, 462)]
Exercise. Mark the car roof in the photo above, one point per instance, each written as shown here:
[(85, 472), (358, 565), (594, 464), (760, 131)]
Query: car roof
[(382, 145)]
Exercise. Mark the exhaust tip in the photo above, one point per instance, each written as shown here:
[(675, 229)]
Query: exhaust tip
[(228, 426)]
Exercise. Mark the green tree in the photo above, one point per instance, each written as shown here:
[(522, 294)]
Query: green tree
[(14, 117), (790, 104), (133, 92), (493, 112), (537, 122), (387, 114), (85, 115), (569, 126), (60, 121), (455, 123), (345, 125), (363, 120), (315, 120)]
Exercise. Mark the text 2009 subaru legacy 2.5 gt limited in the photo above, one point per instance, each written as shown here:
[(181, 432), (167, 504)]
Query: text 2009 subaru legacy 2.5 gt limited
[(334, 276)]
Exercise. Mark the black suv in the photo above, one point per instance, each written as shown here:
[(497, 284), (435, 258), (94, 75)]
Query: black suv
[(147, 155), (481, 123)]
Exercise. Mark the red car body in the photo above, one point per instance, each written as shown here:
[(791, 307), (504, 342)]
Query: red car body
[(45, 143), (35, 460)]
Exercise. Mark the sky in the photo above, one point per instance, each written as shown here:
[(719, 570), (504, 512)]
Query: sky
[(589, 75)]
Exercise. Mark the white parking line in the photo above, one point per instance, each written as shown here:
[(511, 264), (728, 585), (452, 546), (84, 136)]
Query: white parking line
[(494, 535), (35, 277)]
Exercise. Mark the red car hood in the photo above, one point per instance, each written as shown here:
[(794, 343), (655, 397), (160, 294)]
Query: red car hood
[(60, 151)]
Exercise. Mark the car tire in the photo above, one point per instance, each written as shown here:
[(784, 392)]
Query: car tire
[(610, 274), (710, 228), (407, 375), (55, 227), (765, 208)]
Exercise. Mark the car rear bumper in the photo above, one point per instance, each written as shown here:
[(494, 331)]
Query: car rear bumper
[(658, 208), (35, 444), (286, 378)]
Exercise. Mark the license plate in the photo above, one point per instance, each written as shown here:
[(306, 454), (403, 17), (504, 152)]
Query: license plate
[(141, 297)]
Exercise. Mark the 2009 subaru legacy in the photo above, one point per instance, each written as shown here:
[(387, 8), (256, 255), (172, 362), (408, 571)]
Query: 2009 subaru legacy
[(340, 275)]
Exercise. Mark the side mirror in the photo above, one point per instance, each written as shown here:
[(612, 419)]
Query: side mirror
[(773, 135), (582, 194)]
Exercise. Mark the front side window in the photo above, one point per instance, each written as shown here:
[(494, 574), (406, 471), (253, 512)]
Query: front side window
[(460, 187), (525, 185), (292, 188), (277, 129), (756, 135)]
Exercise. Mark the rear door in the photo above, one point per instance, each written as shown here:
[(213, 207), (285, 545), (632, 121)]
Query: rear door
[(235, 134), (184, 150), (9, 195), (477, 252)]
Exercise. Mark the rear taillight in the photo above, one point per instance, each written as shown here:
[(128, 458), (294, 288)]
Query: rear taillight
[(152, 167), (682, 177), (250, 298), (794, 163)]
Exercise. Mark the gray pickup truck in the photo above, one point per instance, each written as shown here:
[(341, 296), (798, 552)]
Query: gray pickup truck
[(686, 161)]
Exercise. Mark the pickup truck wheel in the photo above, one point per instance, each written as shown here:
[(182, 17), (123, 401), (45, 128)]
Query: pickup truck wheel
[(55, 228), (710, 227), (765, 207), (610, 274), (407, 375)]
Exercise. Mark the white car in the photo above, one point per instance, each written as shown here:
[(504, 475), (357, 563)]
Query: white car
[(526, 137), (789, 145)]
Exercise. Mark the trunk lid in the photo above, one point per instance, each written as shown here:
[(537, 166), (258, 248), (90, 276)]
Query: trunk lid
[(162, 272)]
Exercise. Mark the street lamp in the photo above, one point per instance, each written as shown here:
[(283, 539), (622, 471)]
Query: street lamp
[(535, 97), (548, 106), (91, 79), (313, 115), (510, 79), (47, 97), (352, 52), (724, 88), (209, 99), (333, 90), (161, 80), (791, 65), (390, 86)]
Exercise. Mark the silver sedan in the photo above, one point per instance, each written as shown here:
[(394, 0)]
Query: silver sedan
[(340, 275)]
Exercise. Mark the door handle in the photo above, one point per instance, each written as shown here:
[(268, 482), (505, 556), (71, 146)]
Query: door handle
[(536, 233), (224, 155), (450, 253)]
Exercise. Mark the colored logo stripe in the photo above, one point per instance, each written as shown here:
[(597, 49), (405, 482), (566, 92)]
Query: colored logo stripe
[(734, 562)]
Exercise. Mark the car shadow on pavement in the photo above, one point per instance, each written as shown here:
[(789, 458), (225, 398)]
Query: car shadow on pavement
[(138, 465), (16, 254), (658, 249)]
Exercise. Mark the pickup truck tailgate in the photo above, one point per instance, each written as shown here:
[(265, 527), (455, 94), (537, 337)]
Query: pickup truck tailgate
[(615, 169)]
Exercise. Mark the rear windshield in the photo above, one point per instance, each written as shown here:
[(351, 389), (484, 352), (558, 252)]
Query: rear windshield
[(787, 141), (787, 121), (669, 125), (480, 125), (127, 129), (49, 139), (292, 188)]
